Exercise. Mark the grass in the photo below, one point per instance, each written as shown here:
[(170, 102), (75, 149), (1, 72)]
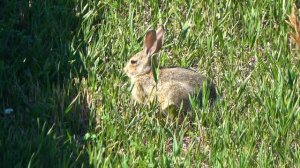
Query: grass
[(61, 72)]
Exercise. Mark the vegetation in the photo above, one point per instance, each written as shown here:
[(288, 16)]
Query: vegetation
[(61, 73)]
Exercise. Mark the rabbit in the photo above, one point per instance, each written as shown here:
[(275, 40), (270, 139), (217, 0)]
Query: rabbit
[(174, 85)]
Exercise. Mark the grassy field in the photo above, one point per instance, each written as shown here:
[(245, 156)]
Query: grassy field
[(61, 72)]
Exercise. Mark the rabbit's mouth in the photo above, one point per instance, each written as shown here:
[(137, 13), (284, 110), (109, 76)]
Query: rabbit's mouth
[(127, 72)]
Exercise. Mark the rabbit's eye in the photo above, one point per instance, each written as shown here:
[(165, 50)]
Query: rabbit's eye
[(133, 61)]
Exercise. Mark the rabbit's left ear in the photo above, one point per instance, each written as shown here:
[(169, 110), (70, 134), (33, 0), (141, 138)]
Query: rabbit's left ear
[(150, 42), (154, 41)]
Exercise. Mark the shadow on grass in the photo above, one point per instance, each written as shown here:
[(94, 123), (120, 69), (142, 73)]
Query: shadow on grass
[(38, 70)]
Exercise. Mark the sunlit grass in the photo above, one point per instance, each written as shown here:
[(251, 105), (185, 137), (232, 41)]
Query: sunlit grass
[(61, 71)]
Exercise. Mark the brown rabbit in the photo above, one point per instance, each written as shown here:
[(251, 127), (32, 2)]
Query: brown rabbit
[(174, 85)]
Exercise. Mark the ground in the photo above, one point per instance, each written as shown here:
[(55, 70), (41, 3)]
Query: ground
[(61, 73)]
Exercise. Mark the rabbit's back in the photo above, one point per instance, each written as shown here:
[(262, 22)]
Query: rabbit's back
[(182, 75), (175, 79)]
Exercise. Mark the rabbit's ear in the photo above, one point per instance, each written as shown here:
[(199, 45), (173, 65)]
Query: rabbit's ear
[(159, 38), (150, 42)]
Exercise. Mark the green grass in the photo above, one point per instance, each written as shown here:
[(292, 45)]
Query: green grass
[(61, 71)]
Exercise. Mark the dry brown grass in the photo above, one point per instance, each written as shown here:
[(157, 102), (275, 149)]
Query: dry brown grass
[(294, 23)]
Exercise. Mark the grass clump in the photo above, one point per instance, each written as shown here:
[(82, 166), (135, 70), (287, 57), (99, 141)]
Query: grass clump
[(61, 72)]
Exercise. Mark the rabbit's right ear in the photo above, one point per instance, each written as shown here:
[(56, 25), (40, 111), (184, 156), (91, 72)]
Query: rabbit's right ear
[(150, 42), (159, 38)]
